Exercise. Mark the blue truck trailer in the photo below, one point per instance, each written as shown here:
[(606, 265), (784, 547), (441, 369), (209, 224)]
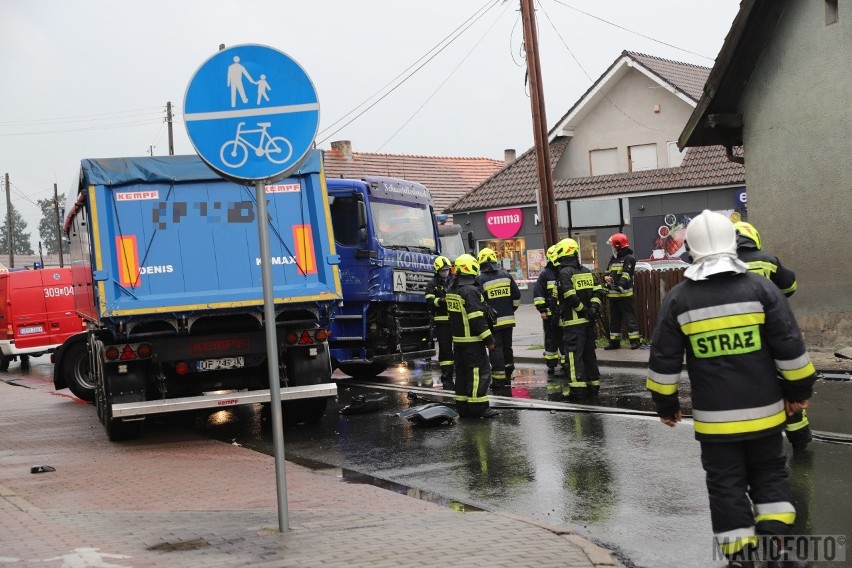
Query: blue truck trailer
[(387, 238), (167, 274)]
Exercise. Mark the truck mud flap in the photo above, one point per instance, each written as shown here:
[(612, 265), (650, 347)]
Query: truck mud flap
[(125, 410)]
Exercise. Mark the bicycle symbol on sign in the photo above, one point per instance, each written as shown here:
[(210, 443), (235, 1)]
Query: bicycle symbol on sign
[(234, 153)]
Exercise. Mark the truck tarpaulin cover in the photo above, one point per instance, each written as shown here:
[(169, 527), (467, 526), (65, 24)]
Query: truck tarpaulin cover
[(170, 235)]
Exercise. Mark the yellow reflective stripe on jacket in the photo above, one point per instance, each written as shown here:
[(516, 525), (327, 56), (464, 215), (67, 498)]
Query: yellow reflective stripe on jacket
[(441, 318), (662, 383), (724, 322), (782, 511), (503, 321), (762, 267), (739, 421), (791, 289), (715, 312), (611, 294), (795, 369)]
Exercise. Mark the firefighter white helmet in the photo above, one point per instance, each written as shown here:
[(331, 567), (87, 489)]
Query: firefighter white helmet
[(712, 244), (710, 233)]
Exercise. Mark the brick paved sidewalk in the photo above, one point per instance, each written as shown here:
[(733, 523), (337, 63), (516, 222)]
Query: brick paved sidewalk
[(176, 500)]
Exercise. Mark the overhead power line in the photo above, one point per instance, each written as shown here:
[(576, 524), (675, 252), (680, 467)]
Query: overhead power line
[(437, 49), (632, 31), (438, 88)]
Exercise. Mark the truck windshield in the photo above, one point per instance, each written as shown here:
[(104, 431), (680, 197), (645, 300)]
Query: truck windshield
[(405, 226)]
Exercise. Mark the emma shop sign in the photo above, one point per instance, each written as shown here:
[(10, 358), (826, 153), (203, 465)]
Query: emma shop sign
[(504, 223)]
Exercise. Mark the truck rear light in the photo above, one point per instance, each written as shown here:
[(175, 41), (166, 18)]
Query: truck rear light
[(127, 353), (305, 338), (111, 353), (181, 368), (9, 331), (144, 350), (322, 334), (291, 338)]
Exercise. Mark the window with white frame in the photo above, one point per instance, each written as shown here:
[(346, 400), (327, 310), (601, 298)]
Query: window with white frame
[(642, 157), (603, 161)]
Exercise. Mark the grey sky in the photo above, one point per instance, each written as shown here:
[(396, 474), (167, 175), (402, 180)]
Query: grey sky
[(91, 78)]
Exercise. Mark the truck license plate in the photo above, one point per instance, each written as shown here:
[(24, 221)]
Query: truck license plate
[(218, 364), (30, 330)]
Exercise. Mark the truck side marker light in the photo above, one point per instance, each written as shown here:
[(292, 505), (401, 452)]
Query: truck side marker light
[(127, 353), (111, 353), (181, 368), (306, 338)]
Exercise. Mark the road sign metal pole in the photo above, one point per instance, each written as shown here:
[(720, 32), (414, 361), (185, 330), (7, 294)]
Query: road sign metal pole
[(272, 357)]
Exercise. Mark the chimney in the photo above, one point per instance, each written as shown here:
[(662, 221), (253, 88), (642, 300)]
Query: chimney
[(344, 147), (509, 155)]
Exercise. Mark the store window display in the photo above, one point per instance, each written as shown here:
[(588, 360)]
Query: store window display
[(511, 257)]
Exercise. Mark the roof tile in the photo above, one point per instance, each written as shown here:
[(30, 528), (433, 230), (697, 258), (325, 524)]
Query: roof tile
[(447, 178)]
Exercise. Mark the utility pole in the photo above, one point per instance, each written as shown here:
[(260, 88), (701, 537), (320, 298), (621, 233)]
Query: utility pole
[(547, 203), (151, 149), (9, 222), (171, 135), (58, 222)]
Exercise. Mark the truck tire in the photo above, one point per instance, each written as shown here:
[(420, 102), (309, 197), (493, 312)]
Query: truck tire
[(4, 362), (75, 370), (363, 371)]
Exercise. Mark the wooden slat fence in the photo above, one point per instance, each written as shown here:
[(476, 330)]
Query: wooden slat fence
[(649, 287)]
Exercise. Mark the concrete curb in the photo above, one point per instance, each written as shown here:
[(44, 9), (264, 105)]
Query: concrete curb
[(597, 555)]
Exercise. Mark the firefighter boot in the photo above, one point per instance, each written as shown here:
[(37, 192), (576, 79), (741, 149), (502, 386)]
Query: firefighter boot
[(613, 344)]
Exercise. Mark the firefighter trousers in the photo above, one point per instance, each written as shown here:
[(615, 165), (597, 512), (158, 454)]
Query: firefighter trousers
[(743, 473), (502, 357), (621, 309), (552, 341), (473, 377), (581, 363), (444, 334)]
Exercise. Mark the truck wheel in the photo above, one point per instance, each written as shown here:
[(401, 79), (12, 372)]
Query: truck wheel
[(363, 371), (75, 369), (25, 361), (4, 363), (305, 411)]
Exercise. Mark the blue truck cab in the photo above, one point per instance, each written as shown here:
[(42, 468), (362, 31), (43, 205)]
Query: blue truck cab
[(387, 238), (166, 270)]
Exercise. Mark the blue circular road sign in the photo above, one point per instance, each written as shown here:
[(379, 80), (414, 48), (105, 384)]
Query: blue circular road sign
[(251, 113)]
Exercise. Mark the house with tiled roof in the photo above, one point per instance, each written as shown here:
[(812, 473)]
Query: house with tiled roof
[(447, 178), (616, 167), (780, 88)]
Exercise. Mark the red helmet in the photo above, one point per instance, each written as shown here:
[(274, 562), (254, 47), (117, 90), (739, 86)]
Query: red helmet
[(619, 241)]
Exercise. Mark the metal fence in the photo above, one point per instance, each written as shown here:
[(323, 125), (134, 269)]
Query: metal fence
[(649, 288)]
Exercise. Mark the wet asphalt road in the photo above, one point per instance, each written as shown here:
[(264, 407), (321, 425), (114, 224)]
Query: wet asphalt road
[(625, 482)]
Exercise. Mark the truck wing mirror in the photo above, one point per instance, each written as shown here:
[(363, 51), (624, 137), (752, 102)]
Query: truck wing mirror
[(362, 220)]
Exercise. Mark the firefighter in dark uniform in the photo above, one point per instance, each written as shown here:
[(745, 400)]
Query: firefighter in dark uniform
[(580, 299), (471, 340), (436, 292), (619, 290), (545, 302), (750, 250), (503, 295), (738, 333)]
